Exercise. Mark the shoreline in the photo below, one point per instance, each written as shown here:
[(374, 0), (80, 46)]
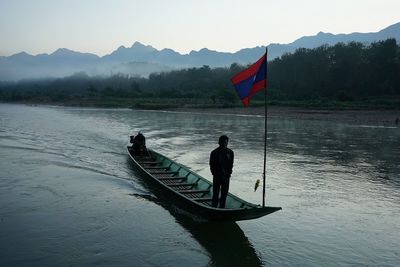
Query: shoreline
[(369, 117)]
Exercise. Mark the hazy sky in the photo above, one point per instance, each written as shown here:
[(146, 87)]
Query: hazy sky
[(101, 26)]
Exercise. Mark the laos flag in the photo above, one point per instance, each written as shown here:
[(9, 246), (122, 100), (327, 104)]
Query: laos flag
[(251, 80)]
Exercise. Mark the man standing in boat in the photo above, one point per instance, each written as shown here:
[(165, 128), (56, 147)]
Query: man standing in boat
[(221, 164)]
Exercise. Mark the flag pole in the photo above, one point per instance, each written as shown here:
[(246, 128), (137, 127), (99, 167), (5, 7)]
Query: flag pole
[(265, 127)]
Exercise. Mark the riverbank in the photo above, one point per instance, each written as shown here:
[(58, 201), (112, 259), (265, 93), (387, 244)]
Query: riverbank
[(371, 117), (357, 116)]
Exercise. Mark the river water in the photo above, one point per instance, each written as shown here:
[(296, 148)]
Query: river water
[(69, 195)]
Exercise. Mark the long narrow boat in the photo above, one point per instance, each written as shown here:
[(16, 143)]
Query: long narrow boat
[(192, 192)]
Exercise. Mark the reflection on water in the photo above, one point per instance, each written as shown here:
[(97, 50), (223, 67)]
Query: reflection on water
[(226, 243), (339, 186)]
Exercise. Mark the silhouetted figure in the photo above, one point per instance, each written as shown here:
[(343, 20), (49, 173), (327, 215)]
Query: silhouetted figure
[(397, 121), (139, 144), (221, 164)]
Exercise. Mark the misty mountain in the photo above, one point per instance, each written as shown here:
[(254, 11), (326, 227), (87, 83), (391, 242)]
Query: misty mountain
[(142, 60), (392, 31)]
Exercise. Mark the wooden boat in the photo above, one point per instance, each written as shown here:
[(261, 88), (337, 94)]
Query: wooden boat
[(191, 192)]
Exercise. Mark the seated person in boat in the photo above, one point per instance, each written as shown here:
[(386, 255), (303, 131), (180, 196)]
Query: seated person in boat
[(139, 145), (221, 164)]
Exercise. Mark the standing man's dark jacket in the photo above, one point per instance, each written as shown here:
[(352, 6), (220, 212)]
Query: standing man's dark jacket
[(221, 162)]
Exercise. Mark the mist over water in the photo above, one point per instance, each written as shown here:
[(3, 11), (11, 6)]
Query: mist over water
[(69, 194)]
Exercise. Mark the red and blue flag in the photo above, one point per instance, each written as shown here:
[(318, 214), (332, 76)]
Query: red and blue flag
[(251, 80)]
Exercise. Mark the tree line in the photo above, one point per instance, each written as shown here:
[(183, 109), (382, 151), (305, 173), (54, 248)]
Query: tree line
[(350, 72), (343, 72)]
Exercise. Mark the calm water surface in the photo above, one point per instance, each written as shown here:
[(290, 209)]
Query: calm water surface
[(70, 197)]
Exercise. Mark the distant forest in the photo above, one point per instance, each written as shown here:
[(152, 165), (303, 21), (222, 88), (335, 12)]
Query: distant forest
[(350, 74)]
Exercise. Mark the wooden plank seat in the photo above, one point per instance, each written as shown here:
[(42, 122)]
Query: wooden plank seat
[(193, 191), (183, 184), (150, 162), (156, 168), (172, 178), (164, 172)]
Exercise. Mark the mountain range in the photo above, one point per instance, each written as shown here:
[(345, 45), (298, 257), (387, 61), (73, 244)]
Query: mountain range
[(142, 60)]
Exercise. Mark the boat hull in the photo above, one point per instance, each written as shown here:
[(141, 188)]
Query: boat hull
[(202, 210)]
